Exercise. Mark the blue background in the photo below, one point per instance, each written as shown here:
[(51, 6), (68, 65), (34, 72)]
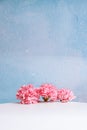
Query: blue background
[(43, 41)]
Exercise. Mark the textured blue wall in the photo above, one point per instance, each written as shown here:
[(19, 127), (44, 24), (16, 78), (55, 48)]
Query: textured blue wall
[(43, 41)]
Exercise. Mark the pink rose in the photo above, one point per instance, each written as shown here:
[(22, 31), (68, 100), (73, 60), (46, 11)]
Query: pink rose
[(27, 94), (65, 95), (48, 92)]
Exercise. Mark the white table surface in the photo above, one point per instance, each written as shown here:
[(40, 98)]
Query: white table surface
[(43, 116)]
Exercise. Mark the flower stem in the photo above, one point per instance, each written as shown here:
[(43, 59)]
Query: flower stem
[(45, 99)]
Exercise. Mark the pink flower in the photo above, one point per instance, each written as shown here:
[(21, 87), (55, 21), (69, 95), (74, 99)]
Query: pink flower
[(48, 92), (65, 95), (27, 94)]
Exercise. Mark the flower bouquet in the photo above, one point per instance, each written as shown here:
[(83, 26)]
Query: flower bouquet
[(28, 94)]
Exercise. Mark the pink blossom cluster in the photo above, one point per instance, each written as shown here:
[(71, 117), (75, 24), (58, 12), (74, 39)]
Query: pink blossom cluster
[(65, 95), (27, 94), (48, 92)]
